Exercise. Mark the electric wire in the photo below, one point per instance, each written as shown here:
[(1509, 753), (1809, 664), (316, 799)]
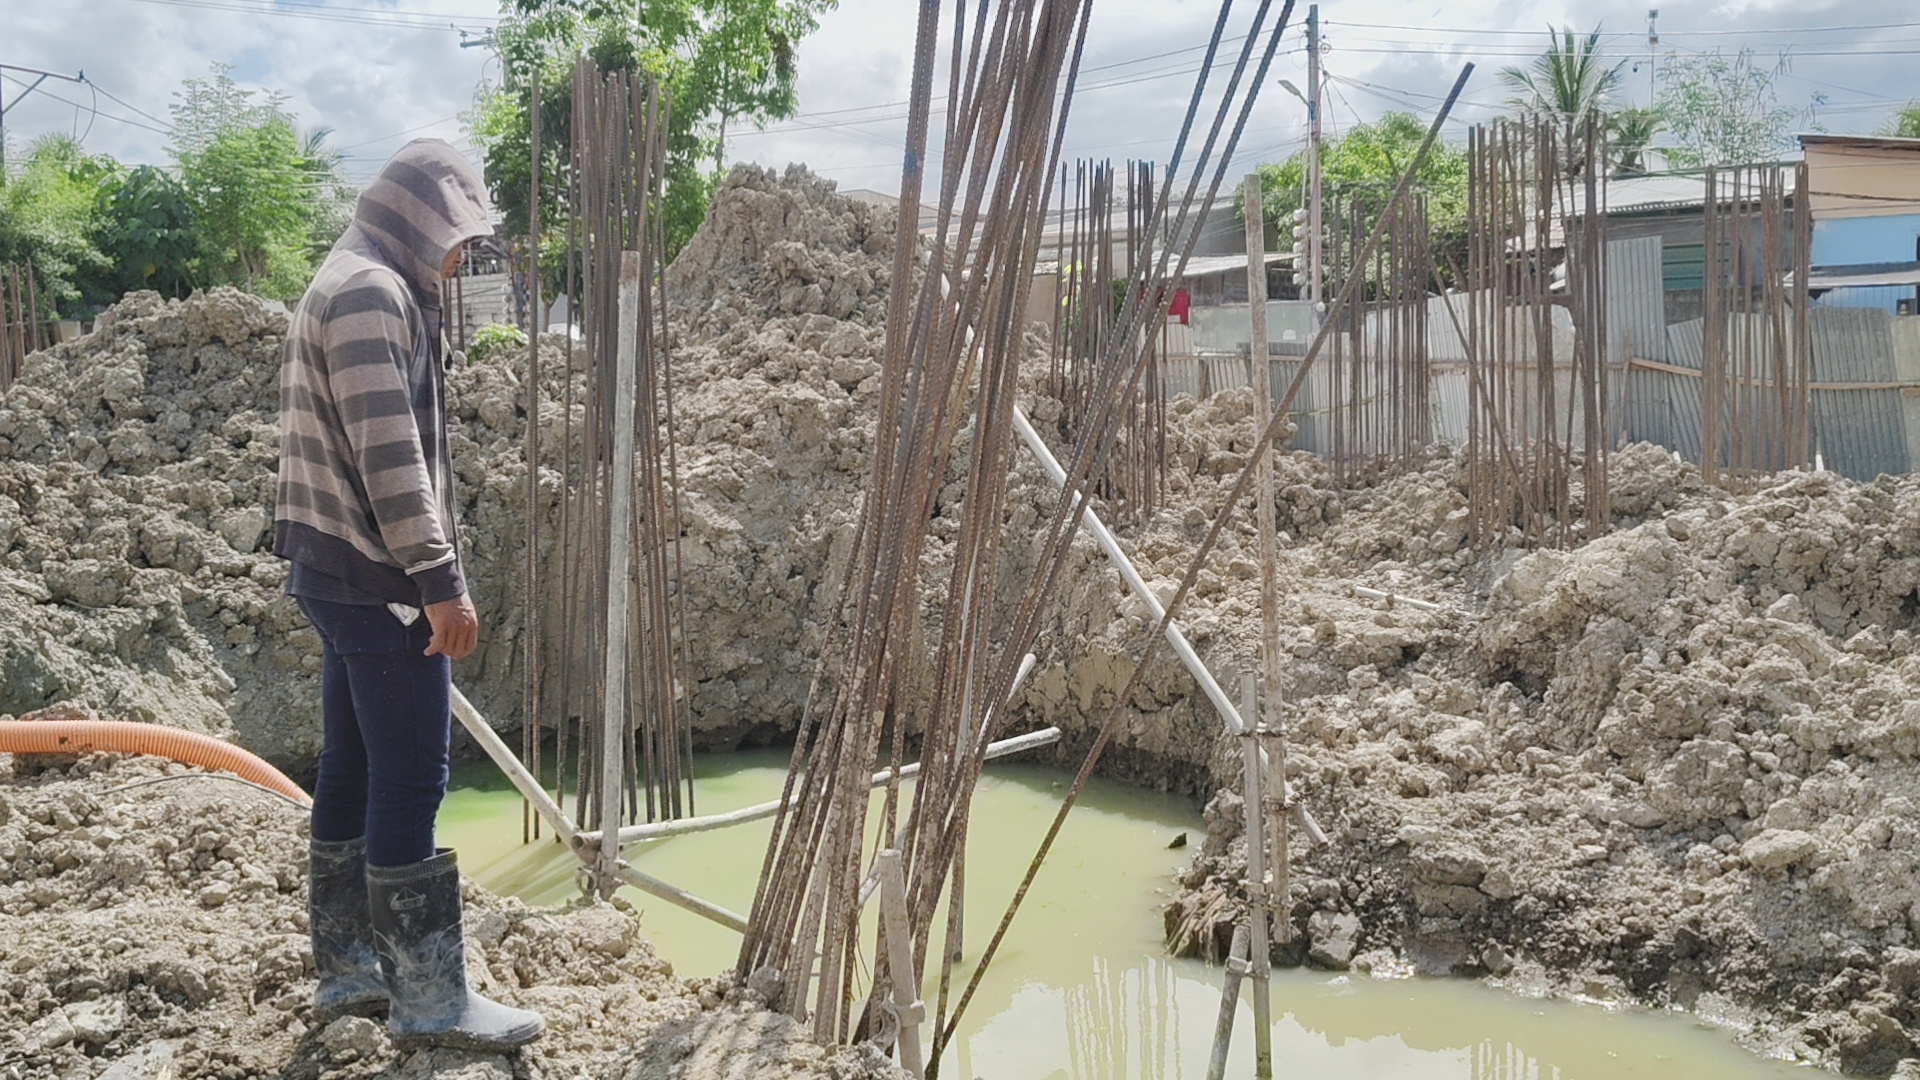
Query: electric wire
[(293, 9)]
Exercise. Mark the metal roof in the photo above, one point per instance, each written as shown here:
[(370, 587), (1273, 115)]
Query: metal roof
[(1859, 142), (1198, 266), (1862, 274), (1669, 191), (1202, 265)]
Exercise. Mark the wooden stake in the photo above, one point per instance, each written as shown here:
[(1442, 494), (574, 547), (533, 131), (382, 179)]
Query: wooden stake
[(619, 581)]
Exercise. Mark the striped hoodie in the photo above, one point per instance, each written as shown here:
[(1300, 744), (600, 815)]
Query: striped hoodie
[(366, 481)]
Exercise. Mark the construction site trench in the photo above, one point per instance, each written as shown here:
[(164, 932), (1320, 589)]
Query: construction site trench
[(1673, 767)]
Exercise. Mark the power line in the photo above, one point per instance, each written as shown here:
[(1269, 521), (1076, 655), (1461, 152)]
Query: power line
[(397, 134), (125, 104), (1753, 32), (293, 9), (799, 121), (74, 104)]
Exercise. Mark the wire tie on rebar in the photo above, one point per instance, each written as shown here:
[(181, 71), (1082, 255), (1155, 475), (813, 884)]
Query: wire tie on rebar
[(907, 1015)]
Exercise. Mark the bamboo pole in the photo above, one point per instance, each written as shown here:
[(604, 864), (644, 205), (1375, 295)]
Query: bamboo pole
[(625, 873), (530, 789), (517, 774), (1229, 1002), (1253, 813), (907, 1006)]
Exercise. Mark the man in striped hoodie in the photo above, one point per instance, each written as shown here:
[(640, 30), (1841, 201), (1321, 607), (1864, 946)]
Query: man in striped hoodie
[(365, 516)]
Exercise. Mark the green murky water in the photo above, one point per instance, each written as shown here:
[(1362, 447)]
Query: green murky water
[(1081, 989)]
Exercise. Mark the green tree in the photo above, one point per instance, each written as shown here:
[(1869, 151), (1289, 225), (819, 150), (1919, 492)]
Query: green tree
[(1724, 110), (49, 209), (333, 197), (145, 229), (265, 199), (1630, 135), (249, 189), (720, 61), (1906, 122), (1363, 167)]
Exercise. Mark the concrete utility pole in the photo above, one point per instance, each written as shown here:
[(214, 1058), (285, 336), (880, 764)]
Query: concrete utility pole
[(35, 85), (1314, 218), (1653, 56)]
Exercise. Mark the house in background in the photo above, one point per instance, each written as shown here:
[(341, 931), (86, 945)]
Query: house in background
[(1864, 192), (1671, 207)]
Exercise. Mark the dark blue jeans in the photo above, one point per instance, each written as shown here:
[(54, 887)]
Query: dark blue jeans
[(384, 706)]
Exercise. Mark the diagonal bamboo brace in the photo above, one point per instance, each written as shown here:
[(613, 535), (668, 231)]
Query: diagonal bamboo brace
[(529, 788), (1175, 636)]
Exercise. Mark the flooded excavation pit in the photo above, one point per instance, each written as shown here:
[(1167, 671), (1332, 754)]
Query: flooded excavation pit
[(1083, 988)]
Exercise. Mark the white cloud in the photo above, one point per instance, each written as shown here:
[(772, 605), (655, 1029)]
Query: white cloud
[(377, 85), (365, 81)]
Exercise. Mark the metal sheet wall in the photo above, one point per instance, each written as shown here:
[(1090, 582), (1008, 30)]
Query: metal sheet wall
[(1858, 433), (1636, 299)]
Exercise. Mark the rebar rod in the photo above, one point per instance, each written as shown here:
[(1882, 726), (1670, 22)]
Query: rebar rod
[(1233, 500)]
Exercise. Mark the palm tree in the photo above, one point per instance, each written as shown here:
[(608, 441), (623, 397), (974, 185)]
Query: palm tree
[(330, 209), (1906, 122), (1569, 84), (1630, 135)]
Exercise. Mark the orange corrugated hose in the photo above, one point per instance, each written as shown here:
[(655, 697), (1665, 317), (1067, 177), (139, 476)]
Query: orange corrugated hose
[(121, 737)]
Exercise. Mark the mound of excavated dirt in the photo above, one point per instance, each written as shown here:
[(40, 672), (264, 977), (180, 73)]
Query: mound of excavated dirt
[(1677, 764), (137, 470), (156, 915)]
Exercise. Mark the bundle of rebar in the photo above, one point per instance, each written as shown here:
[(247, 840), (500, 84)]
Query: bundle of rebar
[(1379, 375), (954, 344), (21, 329), (1757, 352), (1102, 246), (1537, 416), (614, 685)]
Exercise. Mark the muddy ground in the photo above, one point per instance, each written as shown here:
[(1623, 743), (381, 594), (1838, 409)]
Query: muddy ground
[(156, 918), (1675, 765)]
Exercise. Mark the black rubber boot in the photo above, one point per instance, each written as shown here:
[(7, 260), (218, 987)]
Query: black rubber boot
[(337, 918), (416, 927)]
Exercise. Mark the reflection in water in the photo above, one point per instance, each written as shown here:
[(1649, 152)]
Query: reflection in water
[(1124, 1021), (1081, 989)]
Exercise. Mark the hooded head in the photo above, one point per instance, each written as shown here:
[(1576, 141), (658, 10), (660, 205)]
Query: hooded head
[(427, 201)]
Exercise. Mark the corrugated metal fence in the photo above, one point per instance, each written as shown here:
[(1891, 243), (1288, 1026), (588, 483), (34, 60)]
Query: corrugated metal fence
[(1865, 407)]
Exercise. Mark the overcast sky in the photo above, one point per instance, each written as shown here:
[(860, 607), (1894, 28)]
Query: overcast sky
[(381, 71)]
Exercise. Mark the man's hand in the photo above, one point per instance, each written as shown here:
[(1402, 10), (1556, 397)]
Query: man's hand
[(456, 628)]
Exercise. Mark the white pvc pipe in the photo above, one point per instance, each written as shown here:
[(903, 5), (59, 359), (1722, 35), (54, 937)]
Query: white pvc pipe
[(1175, 636), (530, 789), (660, 830), (1392, 599)]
